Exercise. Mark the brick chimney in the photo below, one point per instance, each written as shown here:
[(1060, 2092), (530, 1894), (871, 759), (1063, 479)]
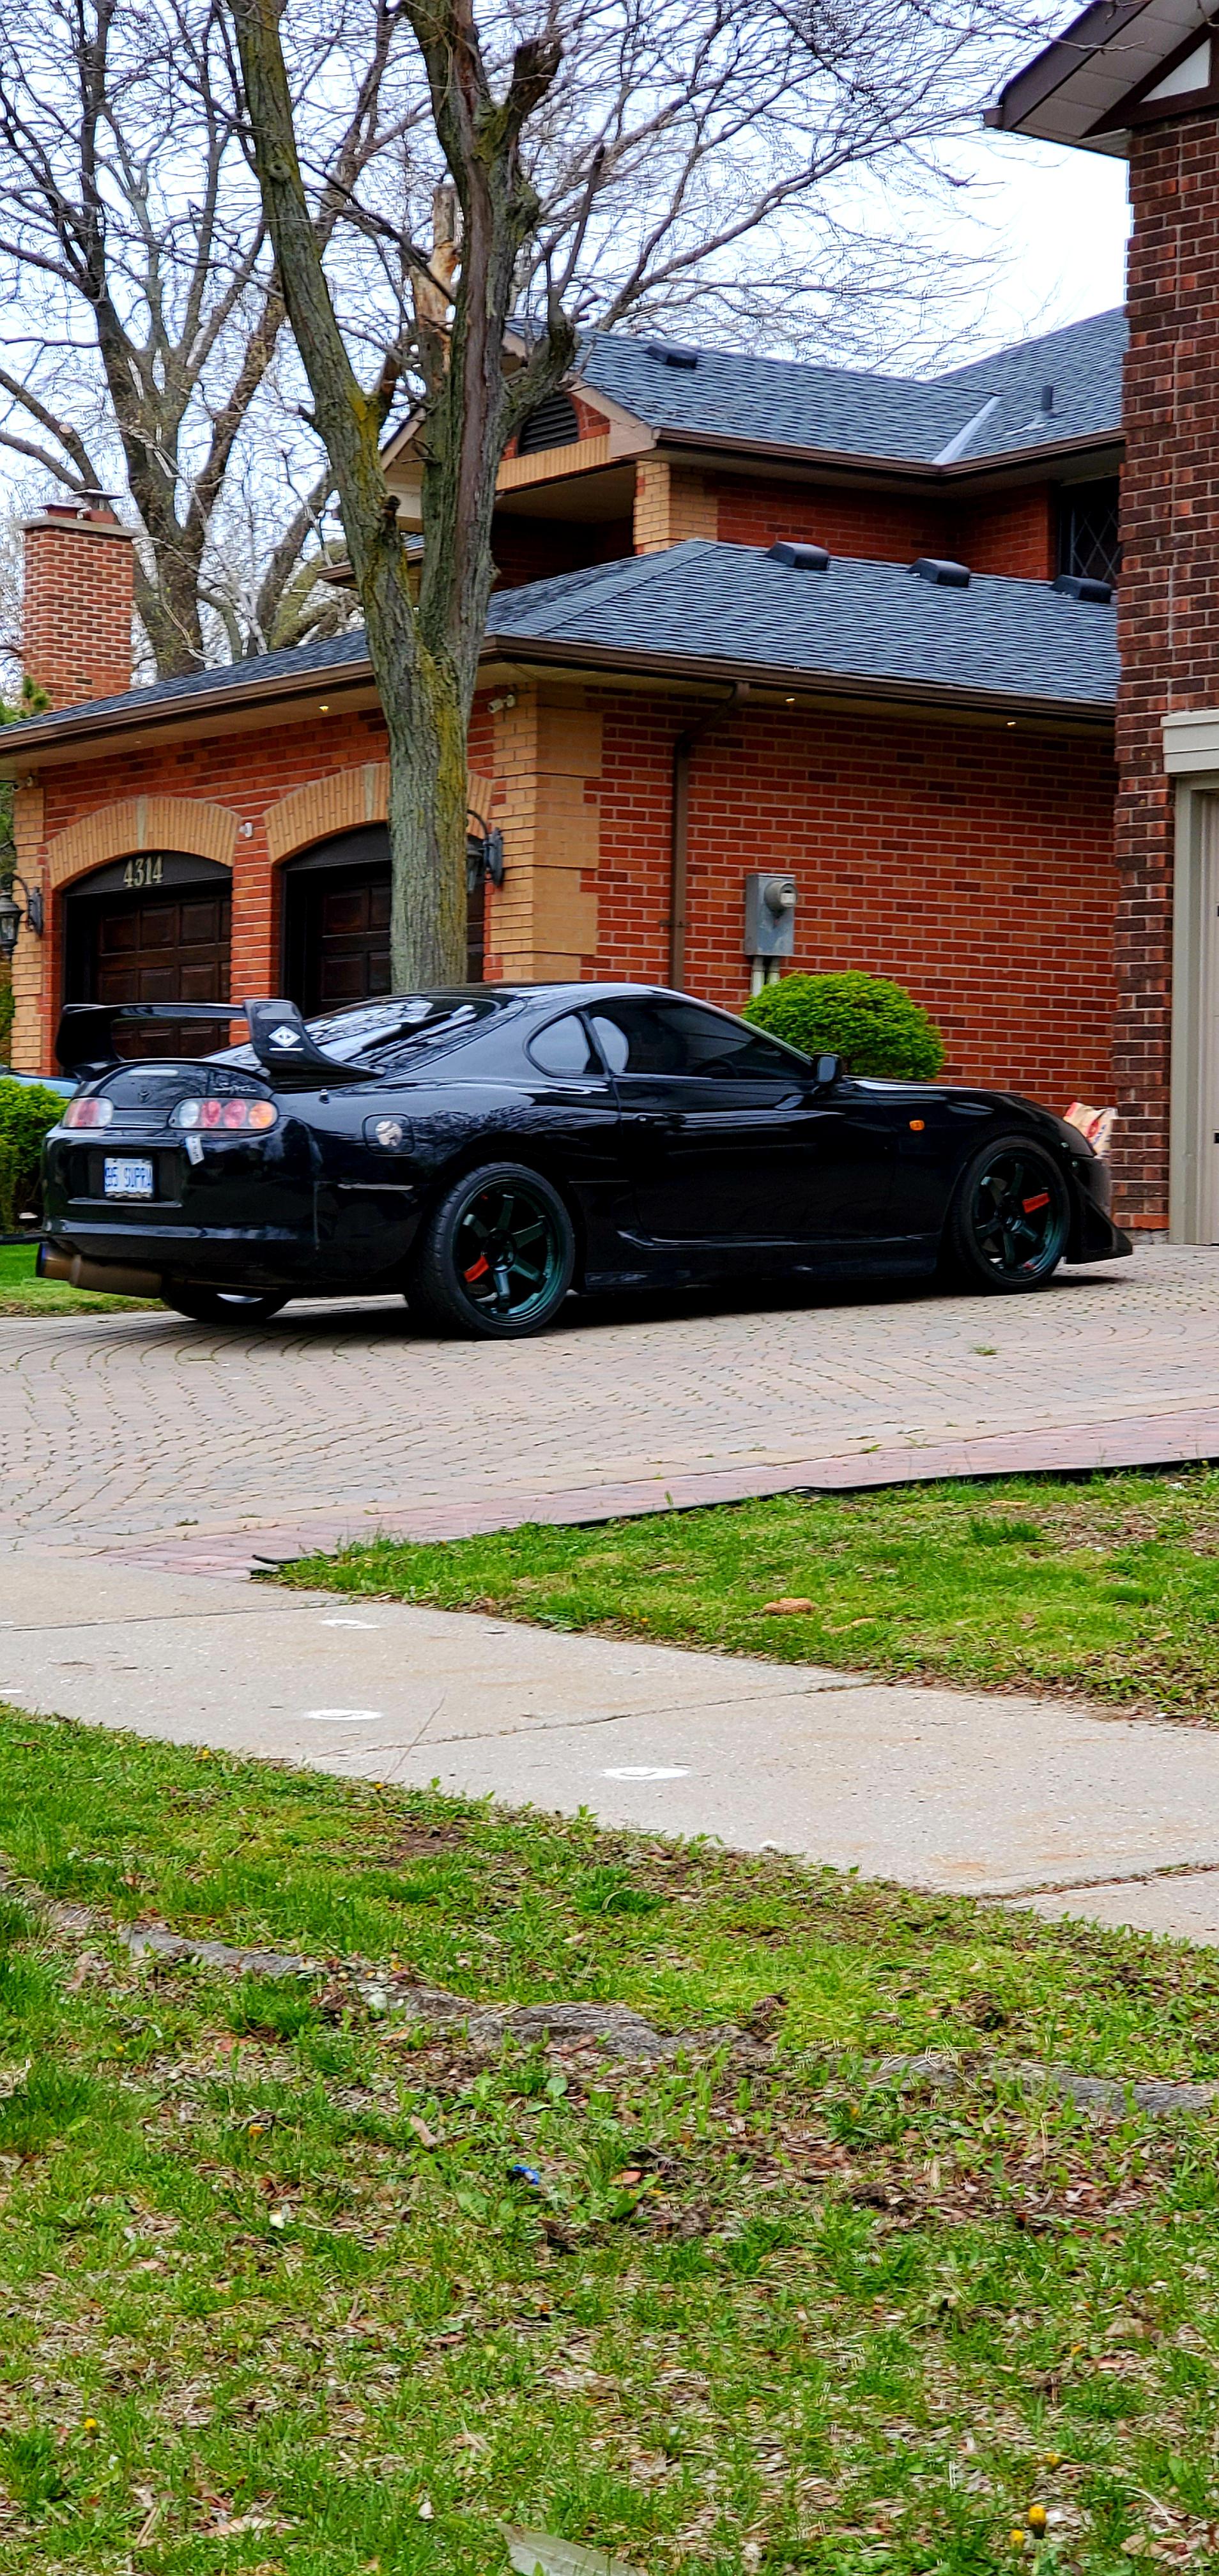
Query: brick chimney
[(79, 593)]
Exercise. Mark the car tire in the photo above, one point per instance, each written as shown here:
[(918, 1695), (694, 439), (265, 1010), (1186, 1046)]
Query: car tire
[(1009, 1220), (496, 1258), (220, 1305)]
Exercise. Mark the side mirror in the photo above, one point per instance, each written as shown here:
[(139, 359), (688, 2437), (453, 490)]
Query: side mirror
[(827, 1070)]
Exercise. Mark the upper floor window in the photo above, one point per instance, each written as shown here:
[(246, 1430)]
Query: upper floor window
[(554, 423), (1087, 530)]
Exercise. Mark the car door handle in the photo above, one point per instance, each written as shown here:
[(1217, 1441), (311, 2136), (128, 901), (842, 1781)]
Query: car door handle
[(666, 1121)]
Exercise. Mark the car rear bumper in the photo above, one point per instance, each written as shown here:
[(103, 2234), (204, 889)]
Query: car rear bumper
[(236, 1258)]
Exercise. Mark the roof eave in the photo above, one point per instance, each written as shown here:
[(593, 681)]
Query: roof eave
[(877, 468), (1070, 94), (22, 744), (598, 659), (57, 739)]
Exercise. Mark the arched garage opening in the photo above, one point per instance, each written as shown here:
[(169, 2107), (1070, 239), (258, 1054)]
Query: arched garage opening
[(155, 927), (336, 921)]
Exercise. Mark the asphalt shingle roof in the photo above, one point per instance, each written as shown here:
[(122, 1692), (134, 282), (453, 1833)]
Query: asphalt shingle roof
[(775, 402), (737, 606), (871, 621), (257, 670)]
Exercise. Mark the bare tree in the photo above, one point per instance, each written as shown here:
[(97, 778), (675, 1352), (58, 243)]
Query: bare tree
[(151, 317), (606, 159)]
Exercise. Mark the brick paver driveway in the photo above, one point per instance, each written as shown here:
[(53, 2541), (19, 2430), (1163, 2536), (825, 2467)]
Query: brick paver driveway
[(185, 1446)]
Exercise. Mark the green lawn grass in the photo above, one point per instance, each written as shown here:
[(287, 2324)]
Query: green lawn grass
[(276, 2302), (22, 1294), (1108, 1584)]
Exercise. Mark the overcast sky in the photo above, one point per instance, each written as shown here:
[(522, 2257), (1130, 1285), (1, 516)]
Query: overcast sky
[(1060, 220)]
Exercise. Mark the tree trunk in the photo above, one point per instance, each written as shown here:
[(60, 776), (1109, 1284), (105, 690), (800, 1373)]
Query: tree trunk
[(428, 797), (424, 659)]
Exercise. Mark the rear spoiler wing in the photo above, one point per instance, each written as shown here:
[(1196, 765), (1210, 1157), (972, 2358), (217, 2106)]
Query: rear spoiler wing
[(84, 1040)]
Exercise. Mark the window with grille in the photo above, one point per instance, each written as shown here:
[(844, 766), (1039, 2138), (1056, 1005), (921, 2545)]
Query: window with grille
[(552, 424), (1087, 530)]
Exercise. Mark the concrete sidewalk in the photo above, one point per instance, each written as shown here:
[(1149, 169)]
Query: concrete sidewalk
[(1112, 1818)]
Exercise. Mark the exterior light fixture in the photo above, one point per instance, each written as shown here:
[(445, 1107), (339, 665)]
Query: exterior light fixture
[(12, 916), (484, 852)]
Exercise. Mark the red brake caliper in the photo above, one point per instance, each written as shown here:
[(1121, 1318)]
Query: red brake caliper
[(480, 1269), (1030, 1205)]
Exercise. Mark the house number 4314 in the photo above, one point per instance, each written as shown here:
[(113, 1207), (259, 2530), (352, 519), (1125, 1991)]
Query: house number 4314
[(147, 871)]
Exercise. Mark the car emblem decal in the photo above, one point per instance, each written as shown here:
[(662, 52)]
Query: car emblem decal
[(285, 1037)]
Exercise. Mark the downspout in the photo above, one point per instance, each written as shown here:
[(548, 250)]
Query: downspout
[(679, 830)]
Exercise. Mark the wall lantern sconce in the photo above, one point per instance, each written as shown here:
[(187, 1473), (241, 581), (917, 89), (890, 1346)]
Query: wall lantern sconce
[(12, 916), (484, 853)]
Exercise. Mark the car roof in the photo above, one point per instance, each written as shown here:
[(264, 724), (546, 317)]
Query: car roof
[(535, 993)]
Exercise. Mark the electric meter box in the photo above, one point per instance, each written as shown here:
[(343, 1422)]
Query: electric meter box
[(770, 914)]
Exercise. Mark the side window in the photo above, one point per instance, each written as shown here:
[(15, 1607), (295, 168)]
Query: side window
[(678, 1037), (564, 1047)]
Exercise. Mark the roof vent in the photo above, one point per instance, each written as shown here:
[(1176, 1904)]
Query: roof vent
[(671, 353), (800, 558), (1047, 399), (554, 422), (1074, 585), (943, 573)]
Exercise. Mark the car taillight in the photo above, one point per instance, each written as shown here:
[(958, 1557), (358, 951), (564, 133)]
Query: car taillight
[(227, 1115), (87, 1111)]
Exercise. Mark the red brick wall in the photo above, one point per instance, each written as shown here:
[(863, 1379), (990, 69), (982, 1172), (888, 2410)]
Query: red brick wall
[(76, 616), (1168, 617), (249, 773), (1007, 533), (1014, 533), (883, 526), (972, 865)]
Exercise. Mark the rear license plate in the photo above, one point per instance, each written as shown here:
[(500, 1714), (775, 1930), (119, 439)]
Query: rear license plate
[(128, 1176)]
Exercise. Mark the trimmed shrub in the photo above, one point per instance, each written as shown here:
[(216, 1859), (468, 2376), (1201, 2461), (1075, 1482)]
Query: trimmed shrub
[(877, 1026), (26, 1112)]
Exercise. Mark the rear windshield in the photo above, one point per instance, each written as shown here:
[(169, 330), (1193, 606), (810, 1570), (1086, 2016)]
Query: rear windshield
[(404, 1027)]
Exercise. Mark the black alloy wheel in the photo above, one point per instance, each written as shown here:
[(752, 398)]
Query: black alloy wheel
[(1009, 1222), (220, 1305), (497, 1258)]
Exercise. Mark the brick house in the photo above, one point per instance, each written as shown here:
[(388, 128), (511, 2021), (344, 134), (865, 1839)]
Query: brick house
[(1140, 79), (678, 686)]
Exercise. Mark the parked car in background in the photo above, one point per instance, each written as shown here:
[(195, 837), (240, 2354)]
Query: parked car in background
[(488, 1150), (62, 1083)]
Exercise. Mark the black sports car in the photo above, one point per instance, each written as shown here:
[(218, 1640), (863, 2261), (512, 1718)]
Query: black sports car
[(485, 1151)]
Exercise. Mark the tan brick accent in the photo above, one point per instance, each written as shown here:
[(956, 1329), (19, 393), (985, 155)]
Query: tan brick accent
[(186, 823), (671, 504), (553, 464), (548, 751), (347, 801), (29, 958), (79, 593)]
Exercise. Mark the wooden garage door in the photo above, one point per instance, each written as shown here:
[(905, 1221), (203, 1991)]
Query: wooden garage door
[(164, 948), (339, 937), (349, 959)]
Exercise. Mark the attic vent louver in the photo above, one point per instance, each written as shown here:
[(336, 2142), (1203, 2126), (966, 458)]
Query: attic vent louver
[(944, 574), (799, 558), (1074, 585), (553, 423), (671, 353)]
